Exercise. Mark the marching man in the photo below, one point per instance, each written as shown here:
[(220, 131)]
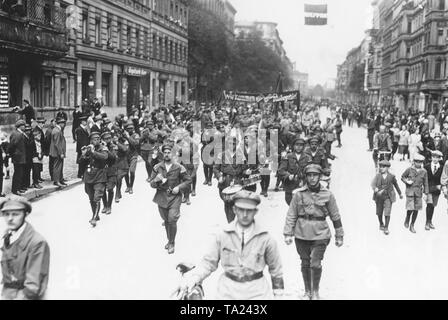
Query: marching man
[(306, 225)]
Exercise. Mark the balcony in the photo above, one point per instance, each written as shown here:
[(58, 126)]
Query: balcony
[(38, 28)]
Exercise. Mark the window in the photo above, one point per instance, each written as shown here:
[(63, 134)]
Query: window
[(119, 35), (166, 50), (109, 31), (47, 13), (145, 43), (171, 9), (441, 4), (409, 27), (438, 69), (105, 88), (171, 52), (47, 94), (85, 29), (64, 92), (161, 49), (183, 88), (137, 39), (128, 37), (154, 46), (98, 30), (440, 33)]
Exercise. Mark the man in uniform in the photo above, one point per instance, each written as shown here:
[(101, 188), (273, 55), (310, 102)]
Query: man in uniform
[(171, 180), (381, 142), (370, 130), (149, 146), (306, 225), (25, 254), (291, 169), (112, 172), (134, 142), (244, 249), (94, 158), (317, 154), (122, 163)]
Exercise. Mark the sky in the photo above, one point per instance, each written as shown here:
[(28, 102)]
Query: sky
[(317, 50)]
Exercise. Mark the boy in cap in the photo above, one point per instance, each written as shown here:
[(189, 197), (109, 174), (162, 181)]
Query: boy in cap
[(244, 249), (170, 179), (434, 170), (384, 194), (416, 180), (25, 275), (306, 225)]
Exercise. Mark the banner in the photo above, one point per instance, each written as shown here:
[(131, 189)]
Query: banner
[(259, 97), (316, 14)]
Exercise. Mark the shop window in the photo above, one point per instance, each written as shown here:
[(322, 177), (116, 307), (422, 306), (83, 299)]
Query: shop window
[(183, 89), (176, 91), (64, 93), (46, 92)]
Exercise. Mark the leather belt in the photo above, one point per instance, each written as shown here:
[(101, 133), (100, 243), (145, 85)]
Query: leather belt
[(246, 278), (18, 285), (312, 218)]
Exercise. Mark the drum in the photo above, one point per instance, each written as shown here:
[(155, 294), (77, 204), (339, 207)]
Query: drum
[(229, 192), (253, 179)]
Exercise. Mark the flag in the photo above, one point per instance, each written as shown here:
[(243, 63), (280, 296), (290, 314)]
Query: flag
[(316, 14)]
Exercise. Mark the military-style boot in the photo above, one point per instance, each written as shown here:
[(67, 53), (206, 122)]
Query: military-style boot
[(167, 229), (97, 211), (104, 202), (173, 230), (110, 198), (93, 207), (316, 274), (306, 274)]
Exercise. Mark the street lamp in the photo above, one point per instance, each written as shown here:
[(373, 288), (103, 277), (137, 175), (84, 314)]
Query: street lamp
[(91, 82)]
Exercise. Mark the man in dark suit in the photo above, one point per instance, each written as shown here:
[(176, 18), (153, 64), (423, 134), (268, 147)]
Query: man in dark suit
[(82, 140), (17, 151), (97, 127), (30, 146), (291, 169), (370, 131), (58, 152), (434, 170), (46, 146), (77, 114), (384, 194)]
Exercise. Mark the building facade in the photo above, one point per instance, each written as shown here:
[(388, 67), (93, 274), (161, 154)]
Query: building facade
[(58, 53)]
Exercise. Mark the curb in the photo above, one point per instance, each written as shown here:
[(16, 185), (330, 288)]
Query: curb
[(38, 194)]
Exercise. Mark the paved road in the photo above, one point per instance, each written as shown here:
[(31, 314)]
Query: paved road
[(124, 258)]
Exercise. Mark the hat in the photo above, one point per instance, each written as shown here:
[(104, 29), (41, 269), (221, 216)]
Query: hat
[(60, 120), (316, 139), (83, 118), (149, 122), (106, 134), (167, 147), (40, 119), (28, 127), (98, 118), (129, 126), (106, 121), (419, 157), (437, 153), (94, 135), (13, 202), (26, 101), (313, 168), (246, 200), (20, 123), (298, 140), (384, 163)]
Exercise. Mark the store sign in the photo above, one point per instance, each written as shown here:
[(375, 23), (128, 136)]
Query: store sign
[(132, 71), (4, 91)]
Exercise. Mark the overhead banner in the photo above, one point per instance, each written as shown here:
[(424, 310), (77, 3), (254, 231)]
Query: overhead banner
[(316, 14), (259, 97)]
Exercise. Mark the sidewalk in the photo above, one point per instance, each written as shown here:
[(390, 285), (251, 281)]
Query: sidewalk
[(70, 172)]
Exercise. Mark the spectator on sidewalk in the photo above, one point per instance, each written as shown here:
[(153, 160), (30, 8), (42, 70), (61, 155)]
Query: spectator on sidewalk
[(17, 151), (46, 147), (27, 111), (30, 151), (77, 114), (37, 158), (58, 152)]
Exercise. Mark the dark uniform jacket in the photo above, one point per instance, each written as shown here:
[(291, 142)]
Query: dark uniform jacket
[(95, 163), (320, 157), (134, 144), (122, 163), (17, 147), (176, 177), (230, 168), (25, 266), (434, 179), (292, 166), (112, 157)]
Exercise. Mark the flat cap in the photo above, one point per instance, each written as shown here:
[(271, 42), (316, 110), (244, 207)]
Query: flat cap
[(83, 118), (167, 147), (315, 139), (13, 202), (106, 120), (94, 135), (28, 127), (246, 200), (129, 126), (61, 120), (40, 119), (313, 168), (384, 163), (299, 140), (20, 123), (437, 153), (98, 118), (106, 134), (419, 157)]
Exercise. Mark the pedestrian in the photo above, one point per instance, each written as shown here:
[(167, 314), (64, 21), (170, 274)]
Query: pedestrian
[(244, 249), (149, 146), (37, 158), (46, 146), (370, 131), (434, 170), (170, 179), (30, 146), (25, 253), (403, 143), (338, 129), (416, 180), (17, 151), (77, 114), (384, 194), (111, 172), (94, 159), (58, 151), (415, 145), (27, 112), (395, 131), (291, 169), (306, 225), (3, 159), (82, 139)]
